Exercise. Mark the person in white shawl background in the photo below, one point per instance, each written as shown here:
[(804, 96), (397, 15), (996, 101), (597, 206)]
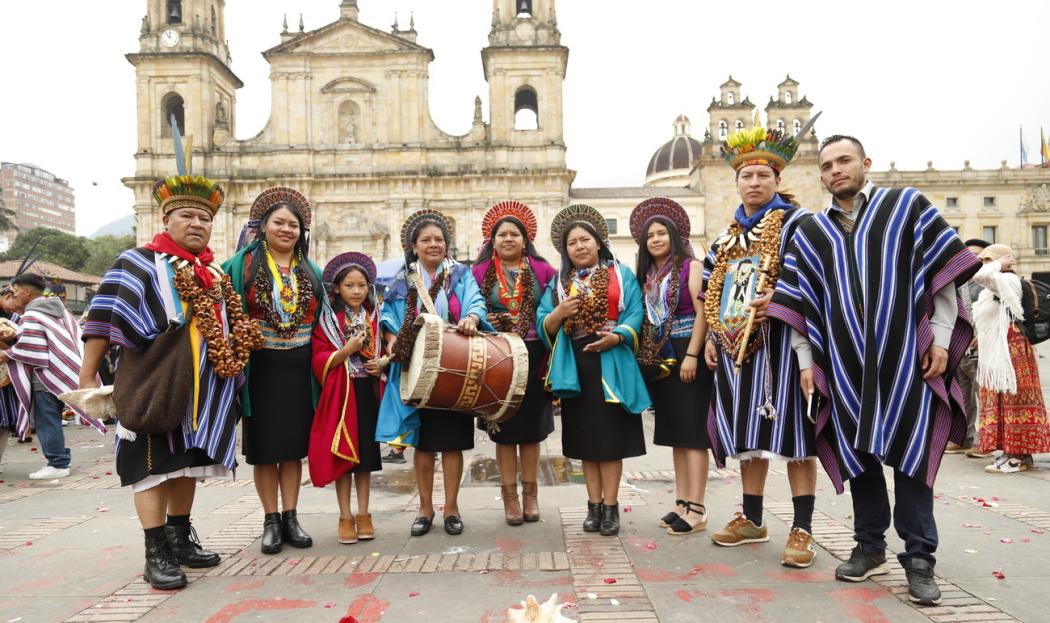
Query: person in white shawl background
[(1013, 414)]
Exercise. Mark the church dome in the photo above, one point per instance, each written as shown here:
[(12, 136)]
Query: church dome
[(670, 165)]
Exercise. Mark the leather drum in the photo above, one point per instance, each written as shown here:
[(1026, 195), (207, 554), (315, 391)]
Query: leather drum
[(484, 375)]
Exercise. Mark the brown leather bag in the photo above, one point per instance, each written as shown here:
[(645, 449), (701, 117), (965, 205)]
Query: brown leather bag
[(154, 386)]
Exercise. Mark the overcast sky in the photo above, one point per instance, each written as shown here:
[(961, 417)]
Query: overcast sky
[(916, 81)]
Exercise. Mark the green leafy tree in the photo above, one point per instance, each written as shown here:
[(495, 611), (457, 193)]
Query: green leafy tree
[(57, 247), (104, 251), (7, 217)]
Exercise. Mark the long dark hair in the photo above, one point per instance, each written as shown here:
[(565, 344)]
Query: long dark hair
[(337, 302), (604, 254), (488, 250), (301, 247), (679, 250), (410, 255)]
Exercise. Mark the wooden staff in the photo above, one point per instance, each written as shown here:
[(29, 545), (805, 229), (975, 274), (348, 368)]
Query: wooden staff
[(751, 317)]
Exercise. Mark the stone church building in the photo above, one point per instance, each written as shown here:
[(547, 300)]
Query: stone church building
[(350, 127)]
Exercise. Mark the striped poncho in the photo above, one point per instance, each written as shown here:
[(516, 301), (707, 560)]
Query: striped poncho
[(864, 300), (135, 303)]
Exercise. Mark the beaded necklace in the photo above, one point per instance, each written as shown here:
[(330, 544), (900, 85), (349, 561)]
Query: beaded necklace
[(293, 294)]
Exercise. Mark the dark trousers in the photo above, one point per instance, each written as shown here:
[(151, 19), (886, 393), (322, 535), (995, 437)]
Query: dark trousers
[(967, 376), (912, 512)]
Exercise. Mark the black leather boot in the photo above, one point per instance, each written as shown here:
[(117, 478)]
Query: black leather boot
[(187, 547), (610, 520), (593, 523), (292, 533), (162, 569), (271, 538)]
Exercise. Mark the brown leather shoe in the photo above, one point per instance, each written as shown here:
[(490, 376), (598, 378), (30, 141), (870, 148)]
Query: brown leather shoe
[(347, 531), (532, 505), (511, 506), (365, 530)]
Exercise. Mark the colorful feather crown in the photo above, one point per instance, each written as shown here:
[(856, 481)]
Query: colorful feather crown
[(759, 145), (188, 191), (514, 209)]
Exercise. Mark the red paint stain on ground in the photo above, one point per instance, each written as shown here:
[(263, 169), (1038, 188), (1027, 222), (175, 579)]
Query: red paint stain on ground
[(857, 603), (508, 545), (245, 585), (303, 581), (747, 601), (237, 608), (368, 609), (357, 580), (36, 586), (708, 570), (799, 577), (515, 578)]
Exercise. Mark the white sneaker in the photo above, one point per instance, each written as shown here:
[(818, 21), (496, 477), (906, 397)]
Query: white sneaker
[(47, 473)]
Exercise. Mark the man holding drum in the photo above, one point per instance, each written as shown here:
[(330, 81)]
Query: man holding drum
[(431, 281)]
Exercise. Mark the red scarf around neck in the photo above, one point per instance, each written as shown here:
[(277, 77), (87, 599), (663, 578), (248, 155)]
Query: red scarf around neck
[(164, 243)]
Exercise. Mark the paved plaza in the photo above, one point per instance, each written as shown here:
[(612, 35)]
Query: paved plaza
[(71, 550)]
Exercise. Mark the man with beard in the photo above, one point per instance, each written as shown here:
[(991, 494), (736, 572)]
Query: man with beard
[(870, 285)]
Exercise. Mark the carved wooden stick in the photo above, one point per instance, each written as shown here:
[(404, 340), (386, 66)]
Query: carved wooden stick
[(751, 317)]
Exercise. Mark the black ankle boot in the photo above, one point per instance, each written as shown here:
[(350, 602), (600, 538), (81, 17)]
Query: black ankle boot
[(162, 569), (271, 538), (292, 533), (187, 547), (610, 520), (594, 517)]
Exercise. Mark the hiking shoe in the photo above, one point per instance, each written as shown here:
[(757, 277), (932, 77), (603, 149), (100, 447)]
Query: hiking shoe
[(922, 588), (861, 566), (740, 531), (799, 551), (394, 457)]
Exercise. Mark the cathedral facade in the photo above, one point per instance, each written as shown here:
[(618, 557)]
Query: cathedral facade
[(350, 127)]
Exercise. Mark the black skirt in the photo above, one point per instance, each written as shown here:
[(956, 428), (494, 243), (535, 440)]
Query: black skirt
[(367, 418), (445, 431), (534, 419), (681, 409), (281, 393), (150, 455), (592, 429)]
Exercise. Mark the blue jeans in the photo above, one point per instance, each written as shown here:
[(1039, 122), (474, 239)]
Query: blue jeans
[(47, 412)]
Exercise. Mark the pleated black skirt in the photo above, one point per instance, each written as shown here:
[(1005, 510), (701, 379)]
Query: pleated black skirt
[(367, 417), (681, 409), (281, 394), (592, 429), (534, 419)]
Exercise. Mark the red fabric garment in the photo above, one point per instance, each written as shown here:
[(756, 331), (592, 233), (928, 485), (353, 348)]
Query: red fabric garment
[(164, 243), (1016, 423), (333, 436), (614, 294)]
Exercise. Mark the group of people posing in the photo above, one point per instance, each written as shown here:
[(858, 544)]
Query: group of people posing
[(800, 335)]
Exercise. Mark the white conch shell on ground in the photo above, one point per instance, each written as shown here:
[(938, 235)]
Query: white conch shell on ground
[(534, 612)]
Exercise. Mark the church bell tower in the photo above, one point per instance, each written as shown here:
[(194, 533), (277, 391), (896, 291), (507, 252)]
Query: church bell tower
[(525, 66)]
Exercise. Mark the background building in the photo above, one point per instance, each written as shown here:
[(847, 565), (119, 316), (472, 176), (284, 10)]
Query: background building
[(350, 127), (37, 198)]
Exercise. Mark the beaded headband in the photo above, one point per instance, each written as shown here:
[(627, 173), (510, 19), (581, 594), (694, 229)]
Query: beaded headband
[(280, 194), (513, 209), (347, 260), (418, 219), (646, 211), (578, 213)]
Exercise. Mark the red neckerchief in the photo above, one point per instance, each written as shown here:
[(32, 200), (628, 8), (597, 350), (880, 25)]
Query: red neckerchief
[(509, 297), (164, 243)]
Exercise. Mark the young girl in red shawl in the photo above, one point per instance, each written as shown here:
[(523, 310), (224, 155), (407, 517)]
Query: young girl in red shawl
[(347, 364)]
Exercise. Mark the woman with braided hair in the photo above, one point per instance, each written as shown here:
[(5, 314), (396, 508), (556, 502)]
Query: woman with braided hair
[(673, 335), (512, 276), (425, 238), (589, 319), (283, 295)]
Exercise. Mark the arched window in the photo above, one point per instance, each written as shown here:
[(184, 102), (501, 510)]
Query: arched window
[(723, 130), (172, 105), (797, 125), (526, 109), (739, 125), (174, 12), (787, 97), (730, 98), (524, 8), (780, 124)]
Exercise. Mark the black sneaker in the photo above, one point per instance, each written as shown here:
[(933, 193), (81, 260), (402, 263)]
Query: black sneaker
[(861, 566), (922, 588), (394, 457)]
